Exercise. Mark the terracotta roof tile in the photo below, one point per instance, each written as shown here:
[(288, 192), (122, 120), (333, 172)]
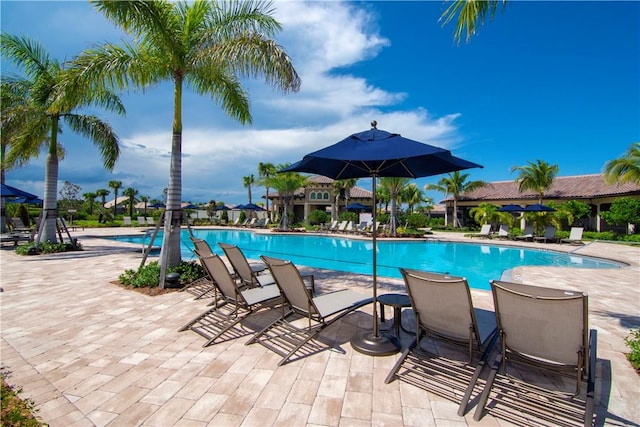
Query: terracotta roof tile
[(566, 187)]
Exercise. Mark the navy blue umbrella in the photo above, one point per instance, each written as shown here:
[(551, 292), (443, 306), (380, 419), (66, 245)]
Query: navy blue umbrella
[(357, 207), (538, 208), (252, 207), (31, 201), (9, 191), (511, 208), (157, 205), (376, 153)]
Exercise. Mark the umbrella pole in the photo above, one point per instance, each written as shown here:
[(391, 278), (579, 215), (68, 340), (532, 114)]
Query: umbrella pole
[(372, 342)]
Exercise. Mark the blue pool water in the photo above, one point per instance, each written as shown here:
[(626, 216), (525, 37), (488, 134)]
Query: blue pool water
[(477, 262)]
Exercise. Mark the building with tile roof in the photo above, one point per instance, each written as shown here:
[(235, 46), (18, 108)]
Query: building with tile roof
[(591, 189), (320, 194)]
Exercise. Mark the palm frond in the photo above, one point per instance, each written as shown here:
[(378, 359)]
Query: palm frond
[(28, 54), (470, 14), (100, 133), (224, 87), (253, 55)]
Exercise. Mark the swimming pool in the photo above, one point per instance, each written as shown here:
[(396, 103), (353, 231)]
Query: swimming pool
[(478, 262)]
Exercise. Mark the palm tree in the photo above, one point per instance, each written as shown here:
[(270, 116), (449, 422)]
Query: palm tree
[(131, 193), (412, 195), (266, 171), (145, 200), (207, 46), (537, 177), (53, 95), (342, 188), (103, 193), (470, 13), (454, 184), (115, 185), (486, 213), (286, 184), (626, 168), (395, 187), (246, 182), (90, 198)]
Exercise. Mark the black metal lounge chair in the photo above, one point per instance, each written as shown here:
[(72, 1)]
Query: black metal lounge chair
[(204, 286), (234, 305), (545, 329), (282, 336), (444, 311)]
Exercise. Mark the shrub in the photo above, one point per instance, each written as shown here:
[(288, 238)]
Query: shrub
[(348, 216), (633, 342), (318, 216), (46, 248), (149, 275), (16, 411), (416, 220)]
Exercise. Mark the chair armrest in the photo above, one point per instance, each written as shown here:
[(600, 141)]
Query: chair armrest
[(312, 281)]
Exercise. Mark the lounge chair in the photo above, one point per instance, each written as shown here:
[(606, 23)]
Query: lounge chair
[(126, 221), (503, 232), (444, 311), (575, 236), (527, 233), (485, 232), (362, 227), (549, 235), (282, 336), (150, 221), (541, 328), (204, 286), (333, 227), (250, 274), (141, 221), (235, 304), (341, 227), (19, 227)]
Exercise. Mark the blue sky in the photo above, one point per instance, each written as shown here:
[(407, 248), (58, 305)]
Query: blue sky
[(557, 81)]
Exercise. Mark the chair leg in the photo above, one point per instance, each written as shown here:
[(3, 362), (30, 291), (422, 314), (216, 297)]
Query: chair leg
[(591, 378), (392, 374), (486, 355), (487, 387)]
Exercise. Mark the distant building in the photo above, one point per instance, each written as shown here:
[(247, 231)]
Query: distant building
[(319, 194), (591, 189)]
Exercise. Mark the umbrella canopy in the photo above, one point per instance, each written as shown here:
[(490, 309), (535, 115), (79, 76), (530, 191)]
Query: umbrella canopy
[(222, 208), (377, 153), (157, 205), (252, 207), (9, 191), (511, 208), (357, 207), (538, 208), (189, 206), (31, 201)]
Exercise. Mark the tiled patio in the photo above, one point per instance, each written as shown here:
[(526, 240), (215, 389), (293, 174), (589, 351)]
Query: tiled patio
[(90, 353)]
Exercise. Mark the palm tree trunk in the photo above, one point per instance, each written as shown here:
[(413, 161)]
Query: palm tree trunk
[(170, 252), (392, 218), (49, 208)]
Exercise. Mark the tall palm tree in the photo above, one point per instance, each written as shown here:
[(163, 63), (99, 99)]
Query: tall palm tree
[(626, 168), (286, 184), (470, 13), (204, 45), (266, 171), (247, 181), (454, 184), (116, 185), (90, 198), (395, 187), (537, 177), (53, 95), (131, 193)]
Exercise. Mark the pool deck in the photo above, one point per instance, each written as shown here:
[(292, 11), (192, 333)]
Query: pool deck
[(89, 353)]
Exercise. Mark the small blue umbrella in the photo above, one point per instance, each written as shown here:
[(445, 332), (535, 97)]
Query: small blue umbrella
[(538, 208), (222, 208), (511, 208), (28, 201), (157, 205), (357, 207), (190, 206)]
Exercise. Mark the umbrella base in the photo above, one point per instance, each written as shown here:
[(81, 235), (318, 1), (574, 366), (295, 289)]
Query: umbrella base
[(381, 345)]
